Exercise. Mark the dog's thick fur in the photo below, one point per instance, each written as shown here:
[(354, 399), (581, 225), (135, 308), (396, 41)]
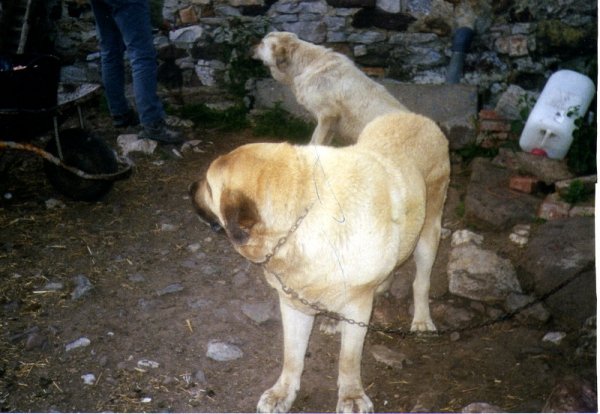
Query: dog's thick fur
[(373, 204), (340, 96)]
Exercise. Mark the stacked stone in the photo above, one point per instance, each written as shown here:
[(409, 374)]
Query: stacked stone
[(515, 43)]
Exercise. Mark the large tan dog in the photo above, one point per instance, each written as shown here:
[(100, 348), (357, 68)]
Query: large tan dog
[(368, 207), (340, 96)]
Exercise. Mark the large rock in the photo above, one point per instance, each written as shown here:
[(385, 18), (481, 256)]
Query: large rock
[(488, 198), (572, 394), (546, 169), (559, 250), (480, 274)]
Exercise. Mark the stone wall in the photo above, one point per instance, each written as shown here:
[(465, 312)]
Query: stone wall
[(520, 42)]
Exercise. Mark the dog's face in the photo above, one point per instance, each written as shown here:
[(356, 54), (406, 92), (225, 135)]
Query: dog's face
[(276, 51), (220, 205)]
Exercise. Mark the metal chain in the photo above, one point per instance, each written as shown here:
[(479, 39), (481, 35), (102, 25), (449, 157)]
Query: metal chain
[(397, 331)]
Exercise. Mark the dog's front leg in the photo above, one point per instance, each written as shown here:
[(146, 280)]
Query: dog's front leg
[(296, 332), (351, 395)]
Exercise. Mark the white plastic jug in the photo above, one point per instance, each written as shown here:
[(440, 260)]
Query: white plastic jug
[(549, 128)]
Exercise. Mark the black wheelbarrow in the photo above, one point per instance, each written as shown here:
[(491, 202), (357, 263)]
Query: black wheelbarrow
[(33, 102)]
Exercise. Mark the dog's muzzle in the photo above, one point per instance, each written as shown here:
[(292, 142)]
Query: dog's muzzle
[(215, 226)]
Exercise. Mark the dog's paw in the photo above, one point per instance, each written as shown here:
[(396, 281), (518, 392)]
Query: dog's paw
[(274, 402), (355, 404), (422, 326), (330, 326)]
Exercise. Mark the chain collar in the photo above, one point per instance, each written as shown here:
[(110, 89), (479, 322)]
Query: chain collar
[(396, 331)]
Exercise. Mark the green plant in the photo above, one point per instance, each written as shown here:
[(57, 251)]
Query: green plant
[(581, 157), (231, 119), (525, 104), (473, 150), (237, 37), (278, 123), (460, 209), (103, 104), (576, 192)]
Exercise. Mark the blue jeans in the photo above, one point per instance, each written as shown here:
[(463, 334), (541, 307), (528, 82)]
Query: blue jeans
[(124, 25)]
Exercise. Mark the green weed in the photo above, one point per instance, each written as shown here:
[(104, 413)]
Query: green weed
[(231, 119), (581, 157), (525, 104), (278, 123), (576, 192), (472, 150), (460, 209)]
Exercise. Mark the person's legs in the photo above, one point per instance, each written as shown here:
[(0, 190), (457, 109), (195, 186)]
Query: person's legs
[(111, 52), (133, 19)]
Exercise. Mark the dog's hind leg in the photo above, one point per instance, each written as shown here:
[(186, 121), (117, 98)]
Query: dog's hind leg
[(324, 132), (296, 332), (424, 257), (425, 253)]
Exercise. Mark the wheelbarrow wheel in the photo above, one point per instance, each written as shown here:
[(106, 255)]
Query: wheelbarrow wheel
[(87, 153)]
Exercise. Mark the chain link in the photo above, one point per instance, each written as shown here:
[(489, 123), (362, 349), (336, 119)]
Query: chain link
[(397, 331)]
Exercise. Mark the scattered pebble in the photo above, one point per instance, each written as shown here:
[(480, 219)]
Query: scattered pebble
[(167, 227), (240, 278), (481, 407), (175, 287), (53, 203), (221, 351), (388, 357), (175, 121), (8, 196), (89, 379), (201, 303), (35, 340), (177, 153), (554, 337), (200, 377), (146, 363), (194, 247), (130, 143), (518, 239), (137, 278), (81, 342), (54, 286), (83, 287), (258, 312), (191, 145), (465, 236), (145, 400), (520, 234)]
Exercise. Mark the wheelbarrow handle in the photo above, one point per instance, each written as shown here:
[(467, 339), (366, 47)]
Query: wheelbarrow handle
[(119, 175)]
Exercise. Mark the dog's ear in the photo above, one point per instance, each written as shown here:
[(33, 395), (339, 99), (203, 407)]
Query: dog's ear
[(240, 213), (283, 53)]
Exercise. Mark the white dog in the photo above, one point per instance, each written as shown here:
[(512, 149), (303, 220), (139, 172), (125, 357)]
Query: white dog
[(328, 84), (373, 205)]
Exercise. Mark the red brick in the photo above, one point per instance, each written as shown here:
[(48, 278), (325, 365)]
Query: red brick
[(188, 16), (494, 126), (498, 136), (490, 114), (524, 184)]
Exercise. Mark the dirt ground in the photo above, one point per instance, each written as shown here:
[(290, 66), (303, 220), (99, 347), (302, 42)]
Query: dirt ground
[(135, 242)]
